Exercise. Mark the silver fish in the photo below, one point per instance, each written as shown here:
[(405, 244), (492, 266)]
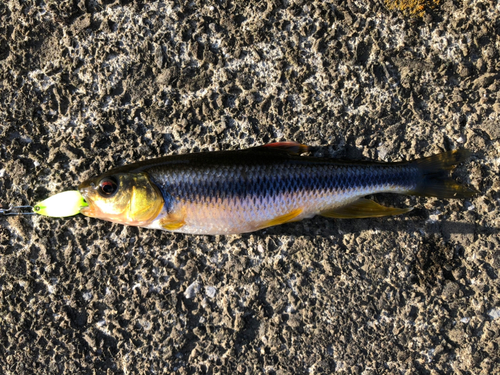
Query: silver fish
[(230, 192)]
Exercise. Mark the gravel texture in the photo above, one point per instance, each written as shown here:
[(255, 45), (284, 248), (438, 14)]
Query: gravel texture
[(88, 85)]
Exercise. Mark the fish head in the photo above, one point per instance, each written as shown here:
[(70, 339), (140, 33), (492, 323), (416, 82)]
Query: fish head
[(125, 198)]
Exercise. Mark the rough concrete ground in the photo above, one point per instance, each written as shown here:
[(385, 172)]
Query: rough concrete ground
[(88, 85)]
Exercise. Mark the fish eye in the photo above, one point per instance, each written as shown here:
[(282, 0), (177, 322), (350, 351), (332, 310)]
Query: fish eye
[(107, 187)]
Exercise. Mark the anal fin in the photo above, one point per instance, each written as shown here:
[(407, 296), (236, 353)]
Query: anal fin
[(363, 208), (290, 216)]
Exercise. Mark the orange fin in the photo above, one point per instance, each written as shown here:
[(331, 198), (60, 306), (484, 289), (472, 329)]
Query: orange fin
[(173, 225), (282, 219), (293, 148), (363, 208), (174, 221)]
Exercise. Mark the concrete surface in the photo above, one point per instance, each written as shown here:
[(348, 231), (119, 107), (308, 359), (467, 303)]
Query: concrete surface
[(88, 85)]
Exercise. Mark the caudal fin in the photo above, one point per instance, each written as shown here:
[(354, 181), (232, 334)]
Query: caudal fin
[(436, 180)]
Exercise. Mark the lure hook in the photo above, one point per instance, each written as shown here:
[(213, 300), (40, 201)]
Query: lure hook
[(17, 210)]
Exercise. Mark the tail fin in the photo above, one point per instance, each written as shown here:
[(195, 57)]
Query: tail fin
[(436, 181)]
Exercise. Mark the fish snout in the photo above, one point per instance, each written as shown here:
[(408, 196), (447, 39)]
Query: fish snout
[(87, 190)]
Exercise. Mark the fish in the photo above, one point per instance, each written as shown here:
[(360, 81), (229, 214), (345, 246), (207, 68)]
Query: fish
[(241, 191)]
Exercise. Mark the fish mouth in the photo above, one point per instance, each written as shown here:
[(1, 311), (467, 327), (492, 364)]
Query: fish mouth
[(85, 190), (87, 211)]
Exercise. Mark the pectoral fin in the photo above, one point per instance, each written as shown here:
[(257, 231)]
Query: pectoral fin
[(363, 208), (174, 221), (282, 219), (173, 225)]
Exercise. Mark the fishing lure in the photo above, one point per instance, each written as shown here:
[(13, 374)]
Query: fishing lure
[(67, 203), (230, 192)]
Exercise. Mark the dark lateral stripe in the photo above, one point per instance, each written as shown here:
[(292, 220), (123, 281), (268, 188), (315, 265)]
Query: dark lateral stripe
[(223, 183)]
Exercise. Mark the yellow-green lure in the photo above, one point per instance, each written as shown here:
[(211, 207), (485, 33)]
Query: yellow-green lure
[(64, 204)]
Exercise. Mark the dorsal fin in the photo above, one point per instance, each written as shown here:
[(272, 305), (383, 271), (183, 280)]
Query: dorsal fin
[(292, 148)]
